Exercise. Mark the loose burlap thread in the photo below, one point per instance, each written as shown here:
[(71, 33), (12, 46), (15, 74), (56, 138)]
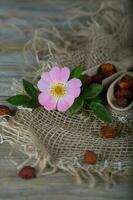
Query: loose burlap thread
[(58, 139), (61, 141)]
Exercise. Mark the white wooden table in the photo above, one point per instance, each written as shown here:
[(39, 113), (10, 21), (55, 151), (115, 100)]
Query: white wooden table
[(18, 19)]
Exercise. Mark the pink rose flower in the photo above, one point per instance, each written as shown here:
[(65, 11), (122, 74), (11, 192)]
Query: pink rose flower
[(56, 91)]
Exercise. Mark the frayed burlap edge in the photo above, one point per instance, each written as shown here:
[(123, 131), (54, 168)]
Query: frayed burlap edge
[(13, 132)]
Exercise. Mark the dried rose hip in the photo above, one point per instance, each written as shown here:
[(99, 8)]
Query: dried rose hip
[(4, 110), (90, 157), (122, 102), (87, 79), (123, 93), (27, 172), (97, 78), (107, 69), (108, 132), (126, 82)]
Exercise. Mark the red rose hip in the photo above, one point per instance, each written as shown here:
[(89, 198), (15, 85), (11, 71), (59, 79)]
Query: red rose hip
[(107, 69), (108, 132), (126, 82), (87, 79), (123, 93), (122, 102), (90, 157), (97, 78), (27, 172), (4, 110)]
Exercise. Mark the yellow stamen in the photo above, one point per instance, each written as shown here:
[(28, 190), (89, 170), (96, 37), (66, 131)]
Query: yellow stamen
[(58, 90)]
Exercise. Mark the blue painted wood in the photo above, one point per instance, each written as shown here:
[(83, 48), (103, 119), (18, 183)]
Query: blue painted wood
[(59, 186)]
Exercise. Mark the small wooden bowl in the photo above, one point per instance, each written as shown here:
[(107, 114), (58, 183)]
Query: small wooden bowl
[(110, 94)]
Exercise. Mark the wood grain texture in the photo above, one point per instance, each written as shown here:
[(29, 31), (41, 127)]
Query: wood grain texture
[(18, 20), (59, 186)]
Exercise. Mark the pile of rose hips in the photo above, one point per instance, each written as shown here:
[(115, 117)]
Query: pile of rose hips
[(124, 91), (104, 71)]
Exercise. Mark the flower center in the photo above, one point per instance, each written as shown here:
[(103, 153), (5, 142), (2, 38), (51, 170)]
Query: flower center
[(58, 90)]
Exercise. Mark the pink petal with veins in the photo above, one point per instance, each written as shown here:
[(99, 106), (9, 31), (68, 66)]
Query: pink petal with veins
[(73, 87), (55, 74), (47, 101), (65, 73), (65, 103)]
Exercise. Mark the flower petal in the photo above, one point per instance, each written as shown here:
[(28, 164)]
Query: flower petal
[(73, 87), (64, 75), (65, 103), (74, 91), (55, 74), (43, 85), (47, 101), (74, 83), (46, 77)]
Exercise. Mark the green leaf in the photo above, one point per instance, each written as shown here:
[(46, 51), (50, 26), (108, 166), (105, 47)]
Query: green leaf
[(81, 78), (77, 106), (30, 89), (33, 103), (76, 72), (101, 112), (95, 100), (18, 100), (92, 91)]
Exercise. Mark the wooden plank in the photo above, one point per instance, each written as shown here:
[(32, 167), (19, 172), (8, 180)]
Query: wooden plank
[(12, 65), (58, 186)]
